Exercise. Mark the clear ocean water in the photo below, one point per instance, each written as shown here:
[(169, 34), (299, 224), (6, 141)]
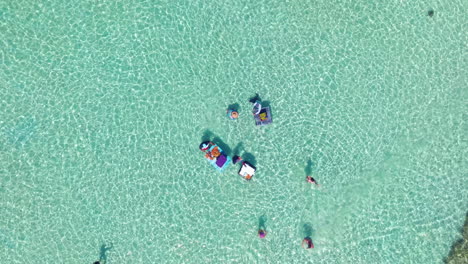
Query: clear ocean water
[(103, 105)]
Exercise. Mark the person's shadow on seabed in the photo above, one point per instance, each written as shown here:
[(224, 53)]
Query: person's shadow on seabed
[(102, 254)]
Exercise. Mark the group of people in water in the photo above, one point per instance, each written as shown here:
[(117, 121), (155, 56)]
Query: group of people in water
[(233, 115), (307, 241)]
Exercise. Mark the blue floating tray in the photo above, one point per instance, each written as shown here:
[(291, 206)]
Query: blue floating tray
[(219, 162), (263, 117)]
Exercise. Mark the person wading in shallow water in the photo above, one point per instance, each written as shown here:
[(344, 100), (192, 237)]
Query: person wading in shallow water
[(309, 179), (308, 243)]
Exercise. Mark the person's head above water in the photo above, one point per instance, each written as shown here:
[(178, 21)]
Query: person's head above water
[(308, 241), (311, 180), (236, 159), (261, 233), (97, 262)]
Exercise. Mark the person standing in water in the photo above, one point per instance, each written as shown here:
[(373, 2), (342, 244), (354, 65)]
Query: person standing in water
[(308, 241), (236, 159), (257, 106), (261, 227), (262, 233), (309, 179)]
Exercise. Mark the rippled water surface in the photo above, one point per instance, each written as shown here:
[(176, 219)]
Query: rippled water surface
[(104, 104)]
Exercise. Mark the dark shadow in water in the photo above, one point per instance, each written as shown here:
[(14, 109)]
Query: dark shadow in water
[(308, 168), (102, 253), (225, 147), (262, 222), (234, 107), (459, 250), (238, 149), (430, 12), (265, 104), (307, 229), (255, 98), (249, 158), (207, 136)]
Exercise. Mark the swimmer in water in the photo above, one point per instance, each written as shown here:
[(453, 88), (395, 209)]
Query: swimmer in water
[(232, 114), (262, 233), (236, 159), (308, 241), (309, 179), (257, 106)]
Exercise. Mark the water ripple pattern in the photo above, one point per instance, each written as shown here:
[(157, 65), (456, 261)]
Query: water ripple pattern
[(104, 104)]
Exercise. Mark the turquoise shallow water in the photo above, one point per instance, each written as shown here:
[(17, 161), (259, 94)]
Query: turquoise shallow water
[(104, 104)]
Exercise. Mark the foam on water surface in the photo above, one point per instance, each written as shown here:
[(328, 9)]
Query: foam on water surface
[(104, 104)]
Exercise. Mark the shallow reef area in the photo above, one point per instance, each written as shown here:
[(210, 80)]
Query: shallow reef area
[(459, 252)]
